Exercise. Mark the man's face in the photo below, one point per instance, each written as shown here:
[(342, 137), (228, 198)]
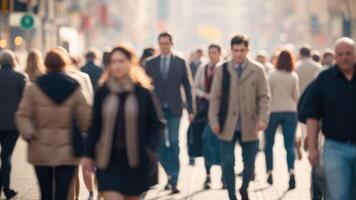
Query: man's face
[(261, 59), (214, 55), (165, 45), (345, 55), (328, 60), (239, 53)]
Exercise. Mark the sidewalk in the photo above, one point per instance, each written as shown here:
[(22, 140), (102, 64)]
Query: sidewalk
[(192, 177)]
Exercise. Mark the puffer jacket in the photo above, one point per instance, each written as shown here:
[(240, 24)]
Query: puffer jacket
[(45, 112)]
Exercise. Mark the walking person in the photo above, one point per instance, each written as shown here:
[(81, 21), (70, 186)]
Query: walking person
[(87, 90), (197, 60), (238, 110), (35, 66), (284, 85), (50, 148), (333, 102), (93, 70), (203, 81), (12, 85), (169, 72), (126, 125)]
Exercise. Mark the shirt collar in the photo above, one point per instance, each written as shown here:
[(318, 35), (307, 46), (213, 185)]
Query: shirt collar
[(168, 56), (336, 72), (243, 65)]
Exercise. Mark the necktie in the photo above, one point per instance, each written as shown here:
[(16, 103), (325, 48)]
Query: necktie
[(164, 67), (239, 71)]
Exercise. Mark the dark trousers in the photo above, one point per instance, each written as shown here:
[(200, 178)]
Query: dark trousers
[(7, 141), (168, 152), (227, 155), (54, 182)]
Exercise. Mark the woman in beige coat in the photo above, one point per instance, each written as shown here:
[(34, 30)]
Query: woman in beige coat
[(44, 119)]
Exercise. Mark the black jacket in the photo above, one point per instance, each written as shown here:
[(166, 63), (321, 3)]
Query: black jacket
[(94, 73), (12, 84)]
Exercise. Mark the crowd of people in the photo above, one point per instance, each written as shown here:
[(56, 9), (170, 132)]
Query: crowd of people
[(120, 119)]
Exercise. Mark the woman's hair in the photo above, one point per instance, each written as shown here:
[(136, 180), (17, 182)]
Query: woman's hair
[(35, 66), (285, 61), (57, 60), (136, 72)]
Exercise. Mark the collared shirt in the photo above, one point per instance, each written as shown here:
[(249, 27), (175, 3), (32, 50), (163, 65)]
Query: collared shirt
[(236, 66), (168, 58), (333, 100)]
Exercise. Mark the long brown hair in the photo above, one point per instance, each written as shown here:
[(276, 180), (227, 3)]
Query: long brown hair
[(285, 61), (35, 66), (136, 73)]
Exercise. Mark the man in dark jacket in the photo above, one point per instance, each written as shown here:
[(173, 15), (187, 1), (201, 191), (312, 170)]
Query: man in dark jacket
[(92, 69), (11, 87)]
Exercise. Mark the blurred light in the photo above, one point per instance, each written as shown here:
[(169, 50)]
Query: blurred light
[(3, 43), (18, 40), (209, 32), (283, 37)]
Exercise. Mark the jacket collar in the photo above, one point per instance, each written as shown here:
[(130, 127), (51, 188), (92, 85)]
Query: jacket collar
[(248, 69)]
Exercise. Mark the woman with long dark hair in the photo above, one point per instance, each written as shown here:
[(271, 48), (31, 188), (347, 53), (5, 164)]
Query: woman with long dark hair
[(126, 125), (284, 85)]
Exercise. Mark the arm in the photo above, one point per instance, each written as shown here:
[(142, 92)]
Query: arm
[(263, 98), (83, 111), (25, 113), (215, 99), (156, 122), (187, 83), (95, 128), (199, 82), (296, 91)]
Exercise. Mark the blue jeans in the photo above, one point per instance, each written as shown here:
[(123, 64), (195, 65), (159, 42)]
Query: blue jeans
[(339, 161), (168, 152), (317, 183), (288, 120), (211, 150), (227, 155)]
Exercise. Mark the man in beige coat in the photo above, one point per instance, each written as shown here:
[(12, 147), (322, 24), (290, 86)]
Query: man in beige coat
[(239, 110)]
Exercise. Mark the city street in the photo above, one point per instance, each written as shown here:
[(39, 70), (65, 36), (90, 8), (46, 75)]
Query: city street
[(191, 177)]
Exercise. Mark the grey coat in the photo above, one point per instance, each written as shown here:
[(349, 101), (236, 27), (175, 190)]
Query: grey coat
[(169, 90)]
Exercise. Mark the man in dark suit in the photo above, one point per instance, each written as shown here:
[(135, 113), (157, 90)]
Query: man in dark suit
[(11, 87), (169, 72), (92, 69)]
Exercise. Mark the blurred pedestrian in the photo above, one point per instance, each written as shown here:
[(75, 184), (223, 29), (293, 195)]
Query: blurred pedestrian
[(203, 81), (12, 84), (169, 72), (87, 89), (126, 126), (262, 58), (50, 148), (197, 60), (307, 69), (328, 58), (239, 83), (35, 66), (93, 70), (284, 84), (146, 54), (315, 55), (333, 103), (105, 61)]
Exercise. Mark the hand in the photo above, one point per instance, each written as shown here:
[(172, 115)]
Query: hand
[(88, 165), (261, 126), (314, 156), (216, 129), (206, 96), (191, 117), (298, 145), (29, 137), (305, 146)]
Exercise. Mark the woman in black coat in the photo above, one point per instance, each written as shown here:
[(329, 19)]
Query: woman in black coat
[(125, 131)]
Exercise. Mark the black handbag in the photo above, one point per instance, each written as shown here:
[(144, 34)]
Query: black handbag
[(77, 137), (195, 133)]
